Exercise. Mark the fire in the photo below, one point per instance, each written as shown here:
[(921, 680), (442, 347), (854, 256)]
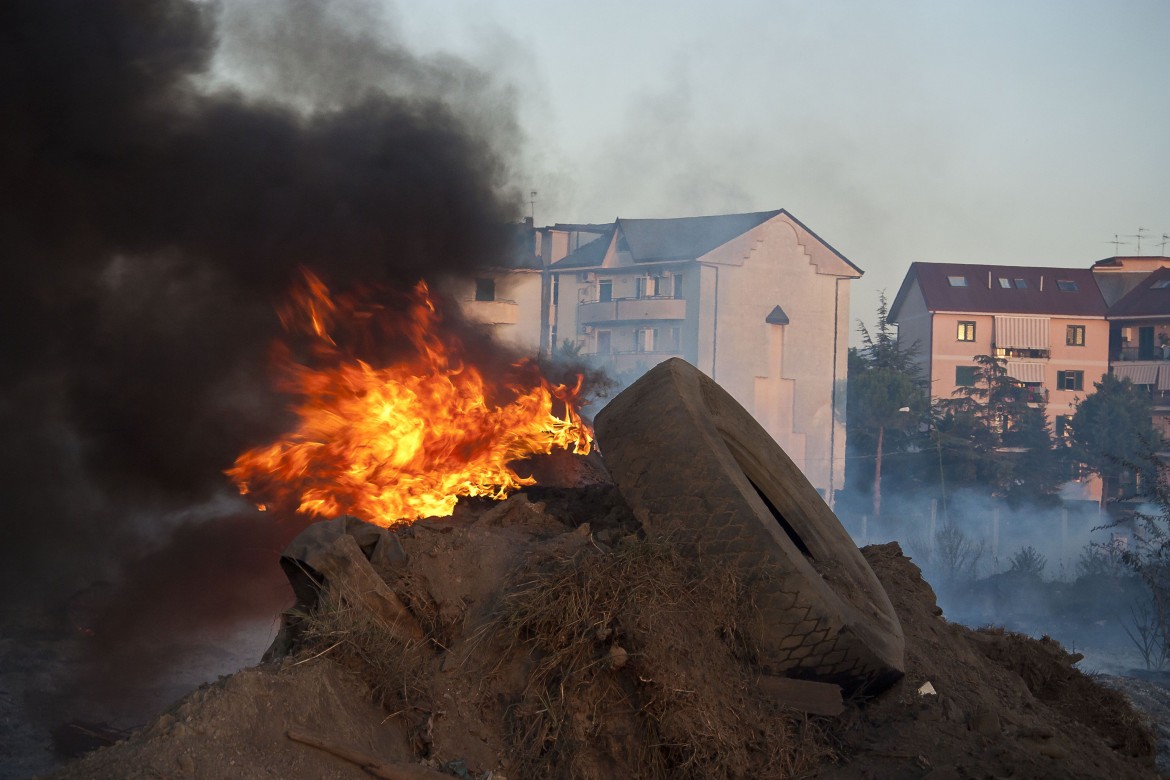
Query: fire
[(396, 442)]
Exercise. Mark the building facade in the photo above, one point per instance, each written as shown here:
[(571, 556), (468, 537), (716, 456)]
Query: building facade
[(509, 296), (1048, 323), (757, 301), (1137, 290)]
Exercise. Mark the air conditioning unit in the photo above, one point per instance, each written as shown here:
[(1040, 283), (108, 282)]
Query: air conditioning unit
[(586, 277), (586, 329)]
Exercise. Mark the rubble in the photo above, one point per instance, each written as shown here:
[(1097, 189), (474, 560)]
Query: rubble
[(467, 691), (566, 633)]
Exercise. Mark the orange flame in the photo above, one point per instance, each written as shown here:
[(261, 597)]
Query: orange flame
[(390, 444)]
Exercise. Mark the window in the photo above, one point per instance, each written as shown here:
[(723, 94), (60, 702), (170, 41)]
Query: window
[(1070, 380), (604, 342), (1005, 283), (966, 331), (957, 281), (649, 286), (678, 285), (1066, 285), (1074, 336), (645, 339), (1062, 428), (485, 289), (965, 376), (1021, 284), (1161, 284), (605, 290)]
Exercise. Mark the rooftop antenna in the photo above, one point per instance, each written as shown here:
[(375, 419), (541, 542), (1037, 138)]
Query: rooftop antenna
[(532, 206), (1139, 236), (1117, 242), (1162, 246)]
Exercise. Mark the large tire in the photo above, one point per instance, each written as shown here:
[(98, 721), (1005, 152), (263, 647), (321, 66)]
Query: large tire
[(694, 465)]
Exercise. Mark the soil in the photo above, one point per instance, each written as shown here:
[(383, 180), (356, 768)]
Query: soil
[(563, 643)]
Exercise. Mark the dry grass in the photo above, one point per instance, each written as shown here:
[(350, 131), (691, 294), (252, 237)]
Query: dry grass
[(679, 704), (341, 628)]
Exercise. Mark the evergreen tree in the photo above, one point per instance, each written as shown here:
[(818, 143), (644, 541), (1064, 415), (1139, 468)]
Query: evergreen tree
[(886, 399), (1112, 427), (997, 439)]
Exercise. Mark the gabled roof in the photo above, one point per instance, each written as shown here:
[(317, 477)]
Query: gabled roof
[(680, 238), (685, 238), (1151, 298), (1039, 293), (588, 255)]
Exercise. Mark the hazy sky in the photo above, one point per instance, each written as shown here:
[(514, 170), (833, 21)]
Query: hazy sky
[(1007, 132)]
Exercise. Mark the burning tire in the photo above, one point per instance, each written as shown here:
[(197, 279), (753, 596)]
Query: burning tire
[(692, 463)]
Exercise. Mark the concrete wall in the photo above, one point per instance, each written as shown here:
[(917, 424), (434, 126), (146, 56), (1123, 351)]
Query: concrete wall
[(948, 353), (1092, 358), (915, 329), (515, 315), (783, 374)]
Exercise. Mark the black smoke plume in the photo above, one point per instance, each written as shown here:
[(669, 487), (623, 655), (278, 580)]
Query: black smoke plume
[(151, 218)]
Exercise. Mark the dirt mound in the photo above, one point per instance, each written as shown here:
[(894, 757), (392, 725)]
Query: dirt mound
[(552, 648), (1005, 705)]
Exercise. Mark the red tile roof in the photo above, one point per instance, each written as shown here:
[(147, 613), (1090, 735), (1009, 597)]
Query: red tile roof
[(1039, 293)]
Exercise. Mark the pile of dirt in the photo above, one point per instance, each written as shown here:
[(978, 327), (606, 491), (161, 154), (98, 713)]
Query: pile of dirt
[(555, 647)]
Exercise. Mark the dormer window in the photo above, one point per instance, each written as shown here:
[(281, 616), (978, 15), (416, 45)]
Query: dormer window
[(957, 281)]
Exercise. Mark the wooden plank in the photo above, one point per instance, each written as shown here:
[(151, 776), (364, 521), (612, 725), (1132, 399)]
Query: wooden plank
[(815, 698)]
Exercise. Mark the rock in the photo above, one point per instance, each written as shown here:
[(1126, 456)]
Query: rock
[(388, 554), (618, 656), (346, 568)]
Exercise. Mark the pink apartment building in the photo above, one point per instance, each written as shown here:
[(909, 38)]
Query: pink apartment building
[(1049, 323)]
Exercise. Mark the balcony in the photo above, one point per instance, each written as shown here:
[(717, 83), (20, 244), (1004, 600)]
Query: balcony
[(631, 309), (497, 312), (1030, 394), (1036, 395), (1134, 353), (622, 362), (594, 312)]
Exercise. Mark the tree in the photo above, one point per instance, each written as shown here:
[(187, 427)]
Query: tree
[(1113, 427), (994, 398), (1147, 553), (885, 393), (998, 438)]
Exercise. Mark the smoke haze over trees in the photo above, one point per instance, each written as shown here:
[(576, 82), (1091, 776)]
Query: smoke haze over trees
[(972, 492), (886, 395)]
